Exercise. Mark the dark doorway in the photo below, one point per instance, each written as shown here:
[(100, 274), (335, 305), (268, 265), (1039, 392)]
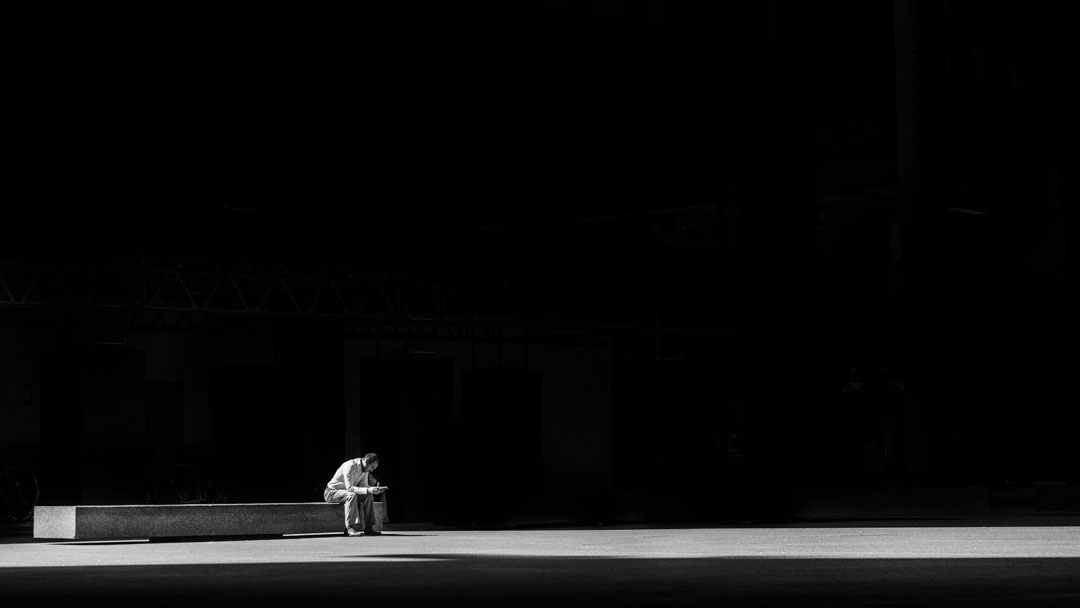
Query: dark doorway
[(503, 440), (92, 408), (406, 415), (61, 402), (165, 422), (252, 447)]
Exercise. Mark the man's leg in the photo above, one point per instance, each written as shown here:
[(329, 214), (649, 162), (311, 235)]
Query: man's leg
[(352, 513), (368, 507)]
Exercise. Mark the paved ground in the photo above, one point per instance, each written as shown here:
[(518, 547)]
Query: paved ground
[(912, 564)]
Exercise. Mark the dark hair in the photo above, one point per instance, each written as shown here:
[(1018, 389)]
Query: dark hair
[(371, 457)]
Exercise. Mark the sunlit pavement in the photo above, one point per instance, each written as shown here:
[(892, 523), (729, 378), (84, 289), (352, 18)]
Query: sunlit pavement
[(922, 563)]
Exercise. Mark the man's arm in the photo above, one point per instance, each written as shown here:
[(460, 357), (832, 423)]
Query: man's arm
[(349, 470)]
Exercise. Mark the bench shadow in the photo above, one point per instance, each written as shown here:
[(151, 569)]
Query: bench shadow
[(133, 541)]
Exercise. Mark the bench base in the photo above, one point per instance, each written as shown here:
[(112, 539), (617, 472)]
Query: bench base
[(191, 520)]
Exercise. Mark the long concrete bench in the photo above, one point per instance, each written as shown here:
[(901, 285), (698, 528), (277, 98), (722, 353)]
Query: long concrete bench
[(191, 520)]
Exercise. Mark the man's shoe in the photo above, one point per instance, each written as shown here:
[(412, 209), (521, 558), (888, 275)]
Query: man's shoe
[(351, 532), (371, 532)]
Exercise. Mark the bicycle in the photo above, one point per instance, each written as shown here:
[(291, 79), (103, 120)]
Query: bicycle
[(19, 494)]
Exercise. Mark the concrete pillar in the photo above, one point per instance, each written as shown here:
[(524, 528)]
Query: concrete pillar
[(922, 231)]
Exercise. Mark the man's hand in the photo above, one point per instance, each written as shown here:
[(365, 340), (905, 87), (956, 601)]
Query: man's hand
[(377, 489)]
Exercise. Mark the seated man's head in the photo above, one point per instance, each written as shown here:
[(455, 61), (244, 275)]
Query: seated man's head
[(370, 462)]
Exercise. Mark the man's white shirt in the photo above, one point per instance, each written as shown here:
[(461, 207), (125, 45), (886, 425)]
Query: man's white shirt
[(350, 477)]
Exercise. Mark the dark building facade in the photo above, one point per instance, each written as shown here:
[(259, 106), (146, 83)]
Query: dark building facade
[(736, 249)]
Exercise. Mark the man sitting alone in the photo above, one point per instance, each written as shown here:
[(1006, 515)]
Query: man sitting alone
[(351, 485)]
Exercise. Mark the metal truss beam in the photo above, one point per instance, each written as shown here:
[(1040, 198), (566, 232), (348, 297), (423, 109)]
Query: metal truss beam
[(411, 319), (452, 311)]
